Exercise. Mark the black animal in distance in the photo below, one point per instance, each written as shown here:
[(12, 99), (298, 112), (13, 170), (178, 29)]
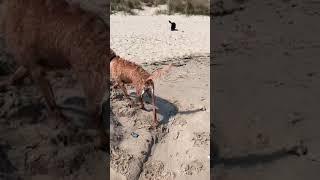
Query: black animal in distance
[(173, 26)]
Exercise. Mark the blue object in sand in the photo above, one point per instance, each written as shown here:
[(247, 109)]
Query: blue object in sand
[(135, 135)]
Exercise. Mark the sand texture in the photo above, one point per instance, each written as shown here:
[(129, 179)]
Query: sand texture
[(179, 148), (266, 79)]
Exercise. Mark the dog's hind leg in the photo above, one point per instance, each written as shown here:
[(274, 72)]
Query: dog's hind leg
[(140, 94), (124, 89), (125, 92)]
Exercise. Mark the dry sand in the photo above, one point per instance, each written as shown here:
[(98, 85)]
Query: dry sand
[(31, 149), (267, 91), (147, 37), (179, 148)]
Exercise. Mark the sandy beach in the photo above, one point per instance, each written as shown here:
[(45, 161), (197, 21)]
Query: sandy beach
[(146, 37), (178, 149), (266, 59)]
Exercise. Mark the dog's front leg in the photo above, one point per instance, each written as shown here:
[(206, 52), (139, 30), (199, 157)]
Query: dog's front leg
[(125, 92), (140, 97), (115, 85)]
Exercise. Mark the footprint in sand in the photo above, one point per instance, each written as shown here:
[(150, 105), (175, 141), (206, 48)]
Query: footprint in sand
[(201, 139), (194, 167), (155, 170)]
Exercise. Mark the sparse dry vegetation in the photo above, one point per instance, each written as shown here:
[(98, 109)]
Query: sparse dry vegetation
[(161, 11), (188, 7), (126, 6), (154, 2)]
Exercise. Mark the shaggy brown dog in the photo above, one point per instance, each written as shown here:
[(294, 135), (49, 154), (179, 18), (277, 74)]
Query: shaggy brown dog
[(48, 34), (126, 72)]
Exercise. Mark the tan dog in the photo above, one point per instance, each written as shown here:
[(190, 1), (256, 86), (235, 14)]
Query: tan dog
[(126, 72), (48, 34)]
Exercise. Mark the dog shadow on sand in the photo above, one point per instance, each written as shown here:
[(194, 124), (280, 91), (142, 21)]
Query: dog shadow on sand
[(166, 109)]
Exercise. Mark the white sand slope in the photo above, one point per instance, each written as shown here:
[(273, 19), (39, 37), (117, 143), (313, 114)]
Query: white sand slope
[(148, 38)]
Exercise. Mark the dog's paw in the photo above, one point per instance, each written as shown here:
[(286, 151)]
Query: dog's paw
[(154, 126)]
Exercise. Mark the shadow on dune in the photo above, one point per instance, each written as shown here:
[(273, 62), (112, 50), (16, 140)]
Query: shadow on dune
[(191, 111), (166, 109)]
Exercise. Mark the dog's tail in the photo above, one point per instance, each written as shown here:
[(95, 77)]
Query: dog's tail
[(170, 22), (160, 72)]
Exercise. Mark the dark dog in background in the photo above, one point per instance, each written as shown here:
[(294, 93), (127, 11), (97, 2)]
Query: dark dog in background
[(173, 26)]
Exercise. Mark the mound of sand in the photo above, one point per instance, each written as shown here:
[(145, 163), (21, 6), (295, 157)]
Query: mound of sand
[(33, 148)]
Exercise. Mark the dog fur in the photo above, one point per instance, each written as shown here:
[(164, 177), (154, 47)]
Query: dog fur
[(45, 35), (126, 72)]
